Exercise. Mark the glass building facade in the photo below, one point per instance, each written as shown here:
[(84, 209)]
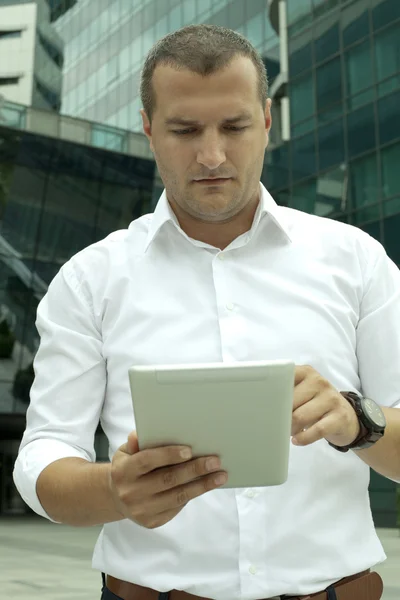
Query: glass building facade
[(343, 87), (68, 182), (106, 42)]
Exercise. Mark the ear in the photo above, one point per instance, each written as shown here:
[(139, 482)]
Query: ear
[(268, 120), (147, 128)]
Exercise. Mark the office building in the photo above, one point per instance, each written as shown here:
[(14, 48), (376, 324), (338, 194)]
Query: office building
[(106, 42), (340, 77), (67, 182), (31, 54)]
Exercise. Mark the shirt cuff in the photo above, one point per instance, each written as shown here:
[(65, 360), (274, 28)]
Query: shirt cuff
[(32, 460)]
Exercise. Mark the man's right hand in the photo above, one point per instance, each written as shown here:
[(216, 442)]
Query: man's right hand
[(150, 487)]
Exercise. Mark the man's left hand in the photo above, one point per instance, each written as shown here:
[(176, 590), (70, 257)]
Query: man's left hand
[(320, 411)]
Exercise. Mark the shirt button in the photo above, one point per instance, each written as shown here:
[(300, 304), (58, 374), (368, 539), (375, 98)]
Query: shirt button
[(221, 256), (230, 306), (252, 570), (251, 493)]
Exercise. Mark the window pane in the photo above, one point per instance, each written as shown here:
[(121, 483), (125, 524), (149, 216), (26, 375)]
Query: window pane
[(390, 160), (327, 43), (302, 98), (386, 12), (322, 6), (361, 130), (370, 213), (391, 207), (358, 65), (161, 28), (387, 52), (333, 112), (360, 99), (124, 60), (303, 127), (10, 34), (303, 157), (373, 229), (363, 183), (175, 18), (300, 56), (330, 192), (303, 197), (389, 85), (254, 29), (355, 23), (388, 115), (189, 11), (331, 144), (329, 84), (282, 198), (299, 11), (391, 228), (276, 169)]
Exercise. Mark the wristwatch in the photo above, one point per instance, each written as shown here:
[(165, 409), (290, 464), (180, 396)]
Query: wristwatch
[(372, 422)]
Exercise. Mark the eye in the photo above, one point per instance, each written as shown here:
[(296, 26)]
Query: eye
[(183, 131), (188, 131)]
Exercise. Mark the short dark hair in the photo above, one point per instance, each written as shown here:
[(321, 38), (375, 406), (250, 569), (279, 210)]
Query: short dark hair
[(203, 49)]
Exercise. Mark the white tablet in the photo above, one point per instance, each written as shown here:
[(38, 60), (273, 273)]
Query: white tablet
[(241, 412)]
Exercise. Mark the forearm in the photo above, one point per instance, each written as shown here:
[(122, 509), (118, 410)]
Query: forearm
[(76, 492), (384, 456)]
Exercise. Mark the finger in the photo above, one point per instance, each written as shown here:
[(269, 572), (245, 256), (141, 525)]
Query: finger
[(171, 477), (133, 443), (161, 518), (177, 497), (146, 461), (325, 427), (309, 413), (301, 372), (309, 389), (131, 446)]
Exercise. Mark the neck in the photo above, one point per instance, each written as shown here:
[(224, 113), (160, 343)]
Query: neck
[(219, 234)]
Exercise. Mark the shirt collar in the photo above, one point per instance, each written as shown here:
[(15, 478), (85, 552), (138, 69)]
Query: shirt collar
[(267, 206)]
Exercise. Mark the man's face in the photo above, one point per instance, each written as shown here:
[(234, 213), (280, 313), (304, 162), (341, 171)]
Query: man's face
[(209, 127)]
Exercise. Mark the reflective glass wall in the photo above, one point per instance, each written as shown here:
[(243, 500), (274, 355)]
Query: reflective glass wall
[(56, 198), (344, 88), (106, 42)]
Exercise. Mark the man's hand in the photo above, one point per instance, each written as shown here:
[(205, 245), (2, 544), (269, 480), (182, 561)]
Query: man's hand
[(150, 487), (320, 411)]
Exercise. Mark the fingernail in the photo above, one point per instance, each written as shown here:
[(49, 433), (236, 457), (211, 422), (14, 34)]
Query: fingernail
[(186, 453), (221, 479), (295, 442), (212, 464)]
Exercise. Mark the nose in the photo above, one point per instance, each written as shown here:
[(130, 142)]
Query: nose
[(211, 152)]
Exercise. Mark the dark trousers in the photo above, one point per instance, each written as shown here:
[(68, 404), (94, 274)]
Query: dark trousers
[(107, 595)]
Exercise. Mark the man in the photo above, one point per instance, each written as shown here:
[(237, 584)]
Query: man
[(218, 273)]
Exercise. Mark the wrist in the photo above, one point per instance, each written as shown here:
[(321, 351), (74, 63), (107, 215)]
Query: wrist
[(371, 423)]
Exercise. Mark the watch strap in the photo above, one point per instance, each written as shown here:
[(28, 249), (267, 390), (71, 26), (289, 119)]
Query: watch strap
[(366, 437)]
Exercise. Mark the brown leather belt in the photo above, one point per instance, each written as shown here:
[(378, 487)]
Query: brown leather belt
[(363, 586)]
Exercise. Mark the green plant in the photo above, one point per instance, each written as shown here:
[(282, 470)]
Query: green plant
[(22, 383), (7, 340)]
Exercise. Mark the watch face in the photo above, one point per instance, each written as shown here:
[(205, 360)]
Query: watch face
[(374, 412)]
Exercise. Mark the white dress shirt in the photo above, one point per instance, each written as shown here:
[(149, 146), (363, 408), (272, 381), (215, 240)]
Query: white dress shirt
[(296, 286)]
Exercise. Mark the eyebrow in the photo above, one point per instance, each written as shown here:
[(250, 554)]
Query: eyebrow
[(179, 121)]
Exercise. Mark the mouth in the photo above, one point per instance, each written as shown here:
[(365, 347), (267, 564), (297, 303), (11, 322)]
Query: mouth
[(213, 181)]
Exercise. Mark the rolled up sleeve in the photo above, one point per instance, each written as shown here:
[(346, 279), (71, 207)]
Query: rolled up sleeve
[(378, 332), (69, 386)]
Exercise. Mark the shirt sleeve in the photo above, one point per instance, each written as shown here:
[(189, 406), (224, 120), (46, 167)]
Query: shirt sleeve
[(378, 331), (69, 386)]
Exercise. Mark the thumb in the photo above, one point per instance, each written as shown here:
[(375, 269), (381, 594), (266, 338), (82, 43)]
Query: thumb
[(132, 445)]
